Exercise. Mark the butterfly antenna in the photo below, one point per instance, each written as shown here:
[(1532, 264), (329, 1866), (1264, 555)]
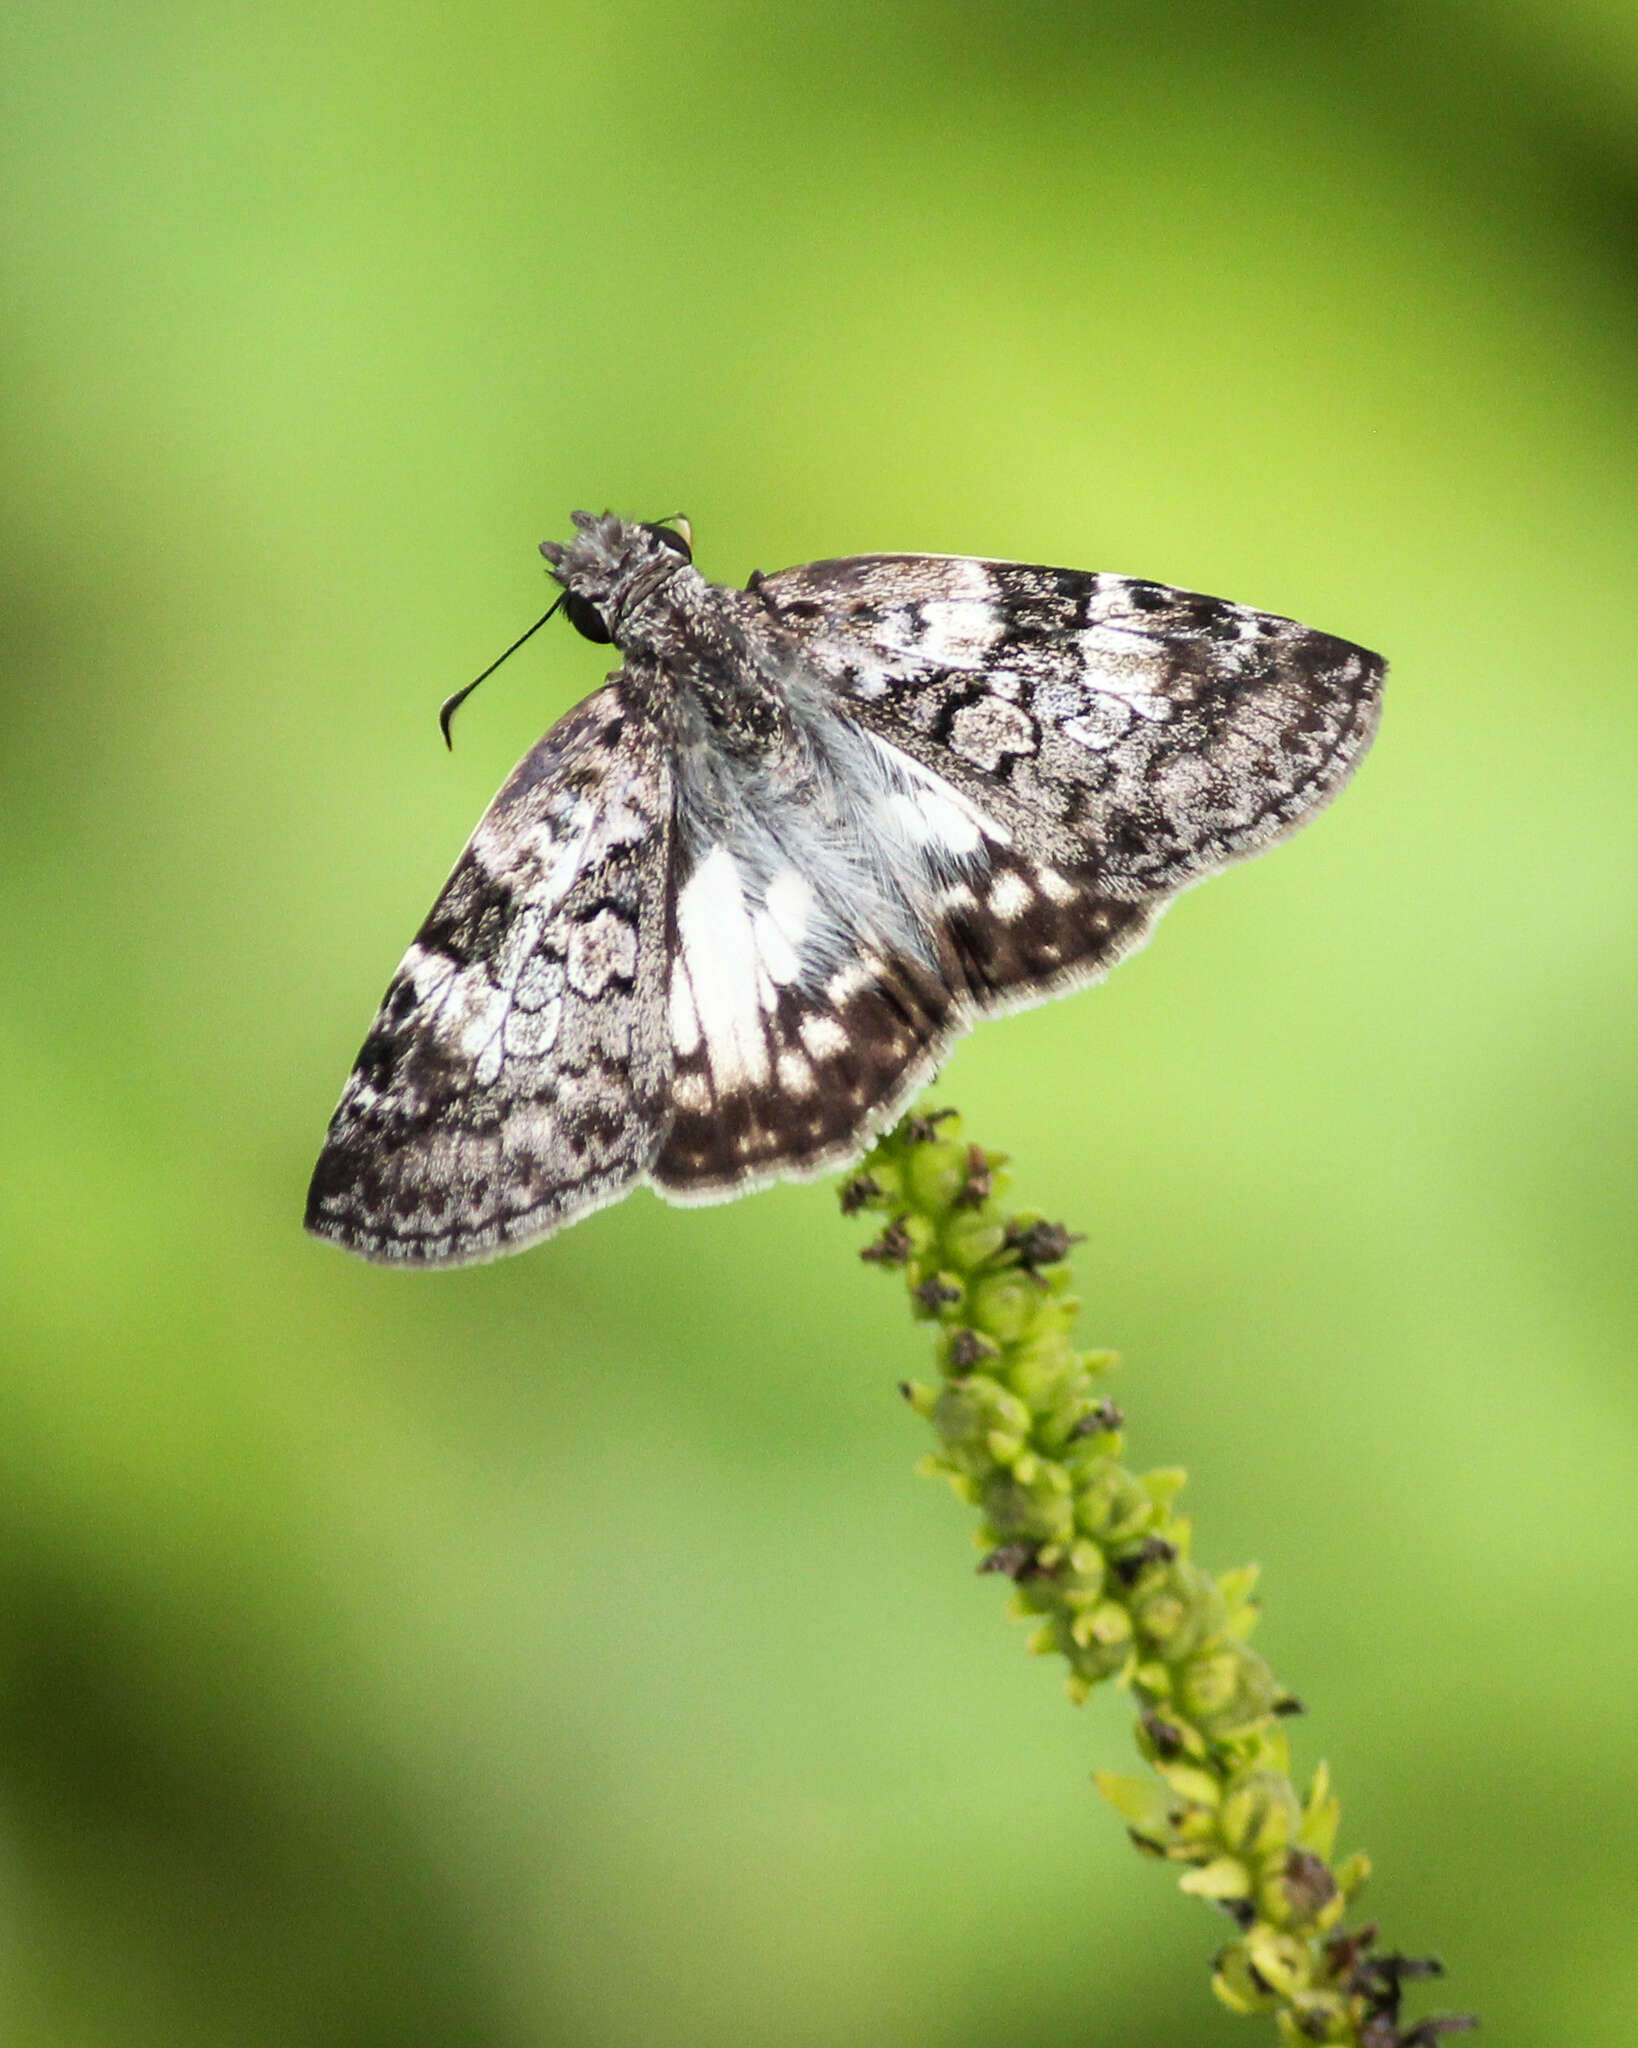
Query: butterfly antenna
[(453, 704)]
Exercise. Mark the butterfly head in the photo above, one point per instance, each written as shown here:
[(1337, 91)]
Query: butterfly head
[(613, 564)]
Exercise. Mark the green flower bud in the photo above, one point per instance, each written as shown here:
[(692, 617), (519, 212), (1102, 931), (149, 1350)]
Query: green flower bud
[(1088, 1452), (1297, 1890), (1236, 1982), (1140, 1802), (968, 1411), (1224, 1877), (971, 1241), (937, 1294), (936, 1174), (1108, 1623), (1238, 1584), (1111, 1504), (1042, 1372), (1317, 2016), (1039, 1512), (1080, 1577), (1321, 1816), (1189, 1781), (1196, 1830), (1004, 1305), (1351, 1874), (1225, 1690), (1281, 1960), (965, 1349), (1165, 1483), (1093, 1661), (1259, 1813), (1181, 1613)]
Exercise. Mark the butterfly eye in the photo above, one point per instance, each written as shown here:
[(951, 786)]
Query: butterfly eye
[(682, 540), (586, 619)]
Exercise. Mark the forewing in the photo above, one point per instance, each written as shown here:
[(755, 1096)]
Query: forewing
[(1050, 755), (515, 1075), (1142, 734)]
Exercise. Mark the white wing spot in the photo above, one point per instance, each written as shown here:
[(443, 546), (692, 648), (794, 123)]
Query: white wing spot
[(557, 870), (790, 903), (779, 959), (429, 976), (532, 1032), (823, 1035), (1010, 894), (987, 731), (480, 1031), (870, 674), (682, 1017), (796, 1077), (600, 951), (718, 947), (522, 939), (690, 1091), (540, 983), (1104, 721), (958, 632), (928, 819), (850, 977), (486, 1072), (930, 812), (1120, 654)]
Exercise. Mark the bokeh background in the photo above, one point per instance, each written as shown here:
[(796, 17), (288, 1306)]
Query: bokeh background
[(563, 1652)]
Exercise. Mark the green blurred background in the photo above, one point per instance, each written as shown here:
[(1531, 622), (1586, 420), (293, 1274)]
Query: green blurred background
[(563, 1652)]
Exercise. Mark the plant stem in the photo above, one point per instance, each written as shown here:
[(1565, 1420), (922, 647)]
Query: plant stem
[(1100, 1557)]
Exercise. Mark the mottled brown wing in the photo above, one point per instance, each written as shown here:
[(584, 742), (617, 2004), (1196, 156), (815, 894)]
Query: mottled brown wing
[(515, 1076), (1145, 736)]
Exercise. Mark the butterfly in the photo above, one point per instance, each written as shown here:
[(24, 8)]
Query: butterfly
[(726, 917)]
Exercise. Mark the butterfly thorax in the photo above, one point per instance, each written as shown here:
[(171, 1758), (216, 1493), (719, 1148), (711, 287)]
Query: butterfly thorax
[(710, 681), (762, 771), (689, 656)]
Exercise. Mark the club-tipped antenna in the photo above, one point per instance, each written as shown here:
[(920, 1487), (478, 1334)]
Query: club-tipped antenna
[(453, 704)]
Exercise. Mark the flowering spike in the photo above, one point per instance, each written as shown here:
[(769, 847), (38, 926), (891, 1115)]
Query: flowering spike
[(1099, 1560)]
